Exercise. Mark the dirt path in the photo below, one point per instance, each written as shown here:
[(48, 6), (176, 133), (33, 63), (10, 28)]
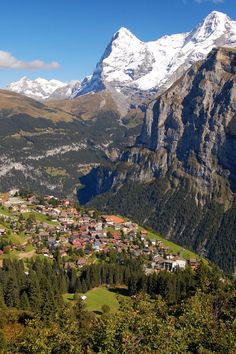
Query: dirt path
[(23, 255)]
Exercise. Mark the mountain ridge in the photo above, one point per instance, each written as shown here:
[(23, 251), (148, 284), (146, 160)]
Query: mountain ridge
[(182, 166), (131, 66), (134, 70)]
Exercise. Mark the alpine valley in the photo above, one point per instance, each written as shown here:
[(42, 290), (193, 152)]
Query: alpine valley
[(151, 134), (180, 176)]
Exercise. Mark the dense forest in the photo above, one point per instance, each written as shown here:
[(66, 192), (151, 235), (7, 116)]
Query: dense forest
[(182, 312)]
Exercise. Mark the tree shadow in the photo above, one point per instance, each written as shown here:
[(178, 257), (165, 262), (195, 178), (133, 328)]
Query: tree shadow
[(120, 291), (98, 312)]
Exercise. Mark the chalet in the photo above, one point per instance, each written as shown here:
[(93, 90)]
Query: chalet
[(47, 198), (167, 264), (66, 202), (144, 234), (97, 245), (24, 209), (194, 264), (91, 213), (125, 230), (2, 231), (94, 234), (73, 211), (98, 226), (81, 262), (13, 192), (56, 211), (69, 265), (170, 256), (112, 220), (63, 228), (63, 253), (77, 243), (173, 264), (115, 235), (45, 251), (180, 263), (32, 200)]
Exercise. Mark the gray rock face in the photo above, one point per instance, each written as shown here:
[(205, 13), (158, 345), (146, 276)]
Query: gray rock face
[(180, 176), (189, 127)]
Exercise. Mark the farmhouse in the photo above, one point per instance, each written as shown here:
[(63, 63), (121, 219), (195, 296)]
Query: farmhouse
[(113, 220)]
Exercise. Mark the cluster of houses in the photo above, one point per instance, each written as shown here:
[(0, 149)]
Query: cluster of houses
[(57, 226)]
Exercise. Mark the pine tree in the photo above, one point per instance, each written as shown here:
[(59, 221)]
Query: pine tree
[(24, 301), (3, 343), (2, 302), (84, 286), (34, 293), (12, 294)]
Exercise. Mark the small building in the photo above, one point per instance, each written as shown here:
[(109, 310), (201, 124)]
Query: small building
[(2, 231), (113, 220)]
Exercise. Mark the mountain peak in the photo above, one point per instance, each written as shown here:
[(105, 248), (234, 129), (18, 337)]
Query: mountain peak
[(23, 78), (39, 88), (217, 15), (215, 24), (217, 19), (124, 33)]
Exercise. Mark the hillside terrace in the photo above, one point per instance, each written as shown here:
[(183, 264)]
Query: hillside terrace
[(55, 226)]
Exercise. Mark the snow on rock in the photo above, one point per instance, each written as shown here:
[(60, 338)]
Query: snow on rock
[(130, 66), (67, 91), (39, 89), (129, 63)]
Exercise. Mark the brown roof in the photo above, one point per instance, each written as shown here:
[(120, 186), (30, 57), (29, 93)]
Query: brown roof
[(113, 218)]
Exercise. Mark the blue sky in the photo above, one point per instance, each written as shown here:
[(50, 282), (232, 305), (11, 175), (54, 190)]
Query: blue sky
[(64, 39)]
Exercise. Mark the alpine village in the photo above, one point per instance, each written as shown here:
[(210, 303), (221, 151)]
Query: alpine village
[(118, 194)]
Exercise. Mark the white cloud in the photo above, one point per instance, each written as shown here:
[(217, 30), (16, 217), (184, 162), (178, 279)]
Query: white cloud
[(213, 1), (8, 61)]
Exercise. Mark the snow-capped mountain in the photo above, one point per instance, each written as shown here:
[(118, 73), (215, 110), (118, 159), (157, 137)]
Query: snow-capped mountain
[(39, 89), (67, 91), (133, 69), (42, 89), (131, 66)]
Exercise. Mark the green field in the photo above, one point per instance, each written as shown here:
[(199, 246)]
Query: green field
[(173, 247), (4, 211), (18, 239), (41, 217), (98, 297)]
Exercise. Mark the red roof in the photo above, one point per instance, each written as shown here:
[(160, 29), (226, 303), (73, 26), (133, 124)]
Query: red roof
[(114, 219)]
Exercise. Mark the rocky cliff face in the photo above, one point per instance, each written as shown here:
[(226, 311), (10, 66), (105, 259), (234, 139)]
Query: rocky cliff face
[(190, 128), (183, 165)]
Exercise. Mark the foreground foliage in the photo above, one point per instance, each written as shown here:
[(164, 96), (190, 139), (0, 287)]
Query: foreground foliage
[(200, 317)]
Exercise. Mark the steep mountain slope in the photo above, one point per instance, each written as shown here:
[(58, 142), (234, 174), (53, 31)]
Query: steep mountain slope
[(45, 149), (139, 69), (39, 89), (86, 106), (66, 91), (12, 104), (180, 177)]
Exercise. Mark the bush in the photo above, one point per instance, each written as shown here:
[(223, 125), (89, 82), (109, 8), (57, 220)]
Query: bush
[(105, 308)]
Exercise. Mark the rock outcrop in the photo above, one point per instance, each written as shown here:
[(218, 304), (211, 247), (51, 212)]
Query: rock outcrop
[(184, 160)]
